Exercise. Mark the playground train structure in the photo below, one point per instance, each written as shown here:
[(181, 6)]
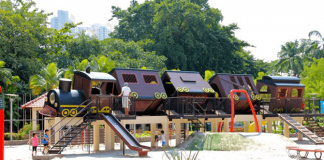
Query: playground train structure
[(177, 94)]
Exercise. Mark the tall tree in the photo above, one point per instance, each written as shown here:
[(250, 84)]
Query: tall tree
[(23, 37), (312, 77), (187, 32), (47, 79), (291, 58)]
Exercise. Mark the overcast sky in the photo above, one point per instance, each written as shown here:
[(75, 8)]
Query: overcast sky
[(264, 24)]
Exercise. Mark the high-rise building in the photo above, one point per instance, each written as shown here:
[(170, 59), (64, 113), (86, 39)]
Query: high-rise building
[(62, 17), (101, 31)]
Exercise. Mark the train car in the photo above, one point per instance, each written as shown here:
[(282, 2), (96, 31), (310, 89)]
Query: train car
[(286, 92), (223, 83), (87, 86), (188, 92), (145, 85)]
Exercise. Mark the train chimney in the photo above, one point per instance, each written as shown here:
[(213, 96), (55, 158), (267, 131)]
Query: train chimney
[(65, 84)]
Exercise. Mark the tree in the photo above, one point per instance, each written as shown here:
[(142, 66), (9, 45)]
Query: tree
[(46, 80), (77, 66), (312, 77), (5, 74), (101, 64), (23, 37), (291, 58), (131, 55), (187, 32), (319, 43)]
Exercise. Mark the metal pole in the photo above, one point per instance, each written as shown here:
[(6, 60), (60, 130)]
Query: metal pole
[(10, 118), (123, 148)]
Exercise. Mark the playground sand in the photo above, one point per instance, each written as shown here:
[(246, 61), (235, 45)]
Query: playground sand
[(262, 146)]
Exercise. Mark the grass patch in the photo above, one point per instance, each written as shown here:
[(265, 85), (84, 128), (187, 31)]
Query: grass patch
[(219, 142)]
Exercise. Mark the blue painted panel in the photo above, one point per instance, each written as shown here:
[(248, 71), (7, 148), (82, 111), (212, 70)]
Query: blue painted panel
[(322, 106)]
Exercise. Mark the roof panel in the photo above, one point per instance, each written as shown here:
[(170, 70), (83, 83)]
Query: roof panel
[(96, 76)]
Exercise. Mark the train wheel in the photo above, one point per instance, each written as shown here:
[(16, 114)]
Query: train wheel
[(185, 89), (253, 97), (157, 95), (65, 112), (205, 90), (134, 94), (105, 110), (179, 89), (164, 96), (258, 97), (216, 95), (94, 109), (73, 112), (236, 97), (211, 90)]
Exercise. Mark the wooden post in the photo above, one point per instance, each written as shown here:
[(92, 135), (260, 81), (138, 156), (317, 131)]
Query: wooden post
[(226, 125), (96, 137), (286, 130), (178, 133), (269, 126), (109, 138), (153, 130), (246, 126)]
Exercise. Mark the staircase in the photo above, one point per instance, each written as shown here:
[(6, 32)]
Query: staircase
[(301, 129), (73, 130), (69, 135), (197, 121), (183, 131), (314, 126)]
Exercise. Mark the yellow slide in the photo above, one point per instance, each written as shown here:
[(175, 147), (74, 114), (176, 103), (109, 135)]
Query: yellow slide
[(252, 126)]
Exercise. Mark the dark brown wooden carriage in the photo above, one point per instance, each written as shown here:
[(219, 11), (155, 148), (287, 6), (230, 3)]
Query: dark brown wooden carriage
[(145, 83), (286, 92), (223, 83)]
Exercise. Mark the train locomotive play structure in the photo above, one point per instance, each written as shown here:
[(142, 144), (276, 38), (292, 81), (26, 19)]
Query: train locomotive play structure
[(176, 95)]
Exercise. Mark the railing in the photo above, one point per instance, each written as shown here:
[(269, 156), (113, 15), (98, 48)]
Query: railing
[(63, 126), (195, 106), (114, 104), (291, 106)]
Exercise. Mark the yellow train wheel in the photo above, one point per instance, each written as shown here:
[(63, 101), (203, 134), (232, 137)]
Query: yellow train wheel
[(211, 90), (229, 96), (94, 109), (134, 94), (253, 97), (205, 90), (258, 97), (179, 89), (105, 110), (73, 112), (157, 95), (216, 95), (236, 97), (163, 95), (65, 112), (185, 89)]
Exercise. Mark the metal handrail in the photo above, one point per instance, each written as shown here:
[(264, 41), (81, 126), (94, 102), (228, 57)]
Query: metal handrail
[(71, 118), (68, 131), (65, 117)]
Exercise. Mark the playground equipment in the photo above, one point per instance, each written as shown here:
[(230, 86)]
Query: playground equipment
[(252, 126), (233, 112)]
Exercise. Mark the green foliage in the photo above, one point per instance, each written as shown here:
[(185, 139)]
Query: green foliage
[(102, 64), (179, 154), (46, 80), (145, 134), (15, 136), (131, 55), (291, 58), (24, 36), (312, 77), (260, 75), (188, 33), (208, 74)]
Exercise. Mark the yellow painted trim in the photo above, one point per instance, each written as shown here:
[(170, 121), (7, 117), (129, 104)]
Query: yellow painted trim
[(72, 106)]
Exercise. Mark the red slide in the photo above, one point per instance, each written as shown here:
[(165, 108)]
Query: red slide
[(124, 135)]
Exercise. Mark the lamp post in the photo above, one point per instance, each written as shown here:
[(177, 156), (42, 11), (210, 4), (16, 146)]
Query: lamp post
[(11, 98)]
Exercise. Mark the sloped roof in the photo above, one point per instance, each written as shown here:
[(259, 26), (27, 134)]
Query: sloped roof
[(35, 103), (96, 76)]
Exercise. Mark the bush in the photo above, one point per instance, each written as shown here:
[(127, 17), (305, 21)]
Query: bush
[(15, 136)]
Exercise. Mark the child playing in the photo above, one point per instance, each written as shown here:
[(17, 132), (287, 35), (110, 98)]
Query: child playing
[(34, 143), (156, 141), (45, 141), (163, 140)]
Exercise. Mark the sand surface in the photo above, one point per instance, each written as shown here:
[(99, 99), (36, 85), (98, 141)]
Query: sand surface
[(266, 146)]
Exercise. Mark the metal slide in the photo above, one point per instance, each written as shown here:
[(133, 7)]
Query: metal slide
[(124, 135), (301, 129)]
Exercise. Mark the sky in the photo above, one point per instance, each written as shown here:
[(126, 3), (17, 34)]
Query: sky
[(265, 24)]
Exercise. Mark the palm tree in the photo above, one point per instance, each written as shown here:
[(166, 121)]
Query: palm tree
[(5, 74), (102, 64), (46, 80), (78, 66), (291, 57), (317, 44)]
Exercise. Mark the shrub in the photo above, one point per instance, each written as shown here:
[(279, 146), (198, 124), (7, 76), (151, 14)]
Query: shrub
[(15, 136)]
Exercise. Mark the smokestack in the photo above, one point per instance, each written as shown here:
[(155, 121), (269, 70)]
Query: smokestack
[(65, 84)]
